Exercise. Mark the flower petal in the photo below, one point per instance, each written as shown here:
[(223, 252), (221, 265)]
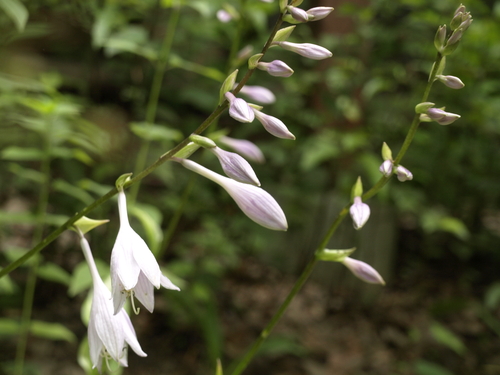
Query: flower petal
[(167, 284), (129, 333), (145, 259), (144, 292), (123, 263)]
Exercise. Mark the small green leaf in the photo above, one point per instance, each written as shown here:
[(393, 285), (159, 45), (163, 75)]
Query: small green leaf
[(21, 153), (7, 286), (187, 150), (334, 255), (52, 272), (227, 85), (16, 11), (218, 368), (150, 218), (152, 132), (81, 278), (52, 331), (283, 34), (446, 337), (73, 191)]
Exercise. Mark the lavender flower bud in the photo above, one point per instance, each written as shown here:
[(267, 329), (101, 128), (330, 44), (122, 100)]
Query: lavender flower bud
[(448, 119), (298, 14), (386, 168), (318, 13), (441, 117), (255, 202), (273, 125), (246, 148), (224, 16), (403, 174), (308, 50), (360, 212), (363, 271), (440, 37), (276, 68), (451, 81), (259, 94), (239, 109), (235, 166)]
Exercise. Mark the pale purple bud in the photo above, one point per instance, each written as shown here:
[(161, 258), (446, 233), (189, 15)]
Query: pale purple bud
[(255, 202), (259, 94), (461, 9), (239, 109), (360, 212), (308, 50), (435, 113), (235, 166), (273, 125), (386, 168), (318, 13), (451, 81), (276, 68), (224, 16), (298, 14), (448, 119), (403, 174), (246, 148), (363, 271), (455, 37)]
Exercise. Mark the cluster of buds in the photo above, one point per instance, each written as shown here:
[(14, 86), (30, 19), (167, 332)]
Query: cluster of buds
[(298, 15), (459, 24), (387, 167), (428, 113)]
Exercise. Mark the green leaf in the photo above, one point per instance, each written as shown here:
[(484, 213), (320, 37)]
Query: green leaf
[(212, 73), (446, 337), (435, 220), (150, 218), (152, 132), (7, 286), (81, 279), (52, 331), (73, 191), (8, 327), (26, 173), (16, 11), (334, 255), (423, 367), (22, 153), (52, 272)]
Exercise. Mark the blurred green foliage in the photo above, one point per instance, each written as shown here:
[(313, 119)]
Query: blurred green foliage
[(78, 74)]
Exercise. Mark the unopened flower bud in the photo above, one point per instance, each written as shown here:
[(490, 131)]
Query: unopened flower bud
[(283, 34), (239, 109), (298, 14), (440, 37), (224, 16), (451, 81), (360, 212), (403, 174), (386, 168), (311, 51), (276, 68), (423, 107), (448, 119), (244, 147), (435, 113), (318, 13), (255, 202), (259, 94), (273, 125), (456, 20), (235, 166), (363, 271), (441, 116)]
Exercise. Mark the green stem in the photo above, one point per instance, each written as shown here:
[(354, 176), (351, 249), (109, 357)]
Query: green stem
[(246, 359), (154, 95), (139, 176), (29, 292)]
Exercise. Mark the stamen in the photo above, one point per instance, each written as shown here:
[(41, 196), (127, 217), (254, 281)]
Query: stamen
[(136, 310)]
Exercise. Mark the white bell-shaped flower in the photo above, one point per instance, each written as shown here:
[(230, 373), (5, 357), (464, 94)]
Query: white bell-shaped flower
[(134, 269), (108, 333)]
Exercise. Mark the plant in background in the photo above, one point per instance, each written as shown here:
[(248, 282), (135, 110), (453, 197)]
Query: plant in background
[(134, 269)]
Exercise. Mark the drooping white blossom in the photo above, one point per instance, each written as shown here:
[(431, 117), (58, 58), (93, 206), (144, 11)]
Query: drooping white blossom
[(108, 333), (134, 269)]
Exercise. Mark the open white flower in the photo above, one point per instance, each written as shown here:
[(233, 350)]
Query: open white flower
[(108, 333), (134, 269)]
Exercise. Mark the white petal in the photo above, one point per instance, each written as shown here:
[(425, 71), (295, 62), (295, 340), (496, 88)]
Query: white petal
[(122, 259), (119, 294), (95, 345), (144, 291), (167, 284), (145, 259), (129, 332)]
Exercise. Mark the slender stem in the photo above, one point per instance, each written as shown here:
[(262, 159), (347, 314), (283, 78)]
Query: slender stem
[(29, 292), (154, 94), (139, 176), (246, 359)]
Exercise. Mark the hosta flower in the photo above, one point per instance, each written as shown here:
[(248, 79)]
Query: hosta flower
[(451, 81), (235, 166), (108, 333), (259, 94), (255, 202), (276, 68), (363, 271), (318, 13), (239, 109), (311, 51), (298, 14), (360, 212), (403, 174), (441, 117), (246, 148), (134, 269), (386, 168), (273, 125)]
